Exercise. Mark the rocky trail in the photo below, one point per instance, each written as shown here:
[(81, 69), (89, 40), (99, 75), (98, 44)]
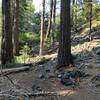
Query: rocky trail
[(44, 80)]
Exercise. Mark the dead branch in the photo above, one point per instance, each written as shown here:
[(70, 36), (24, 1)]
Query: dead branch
[(42, 93)]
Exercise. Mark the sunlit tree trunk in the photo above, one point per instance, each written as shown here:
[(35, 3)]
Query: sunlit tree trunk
[(64, 53), (7, 46), (42, 29), (50, 20)]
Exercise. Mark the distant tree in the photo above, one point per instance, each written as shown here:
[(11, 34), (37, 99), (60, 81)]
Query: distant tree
[(16, 28), (42, 29), (54, 11), (88, 13), (90, 18), (50, 20), (7, 46), (26, 12), (64, 53), (53, 22), (73, 6)]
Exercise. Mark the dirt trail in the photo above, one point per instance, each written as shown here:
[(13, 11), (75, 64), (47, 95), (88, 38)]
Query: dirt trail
[(86, 91)]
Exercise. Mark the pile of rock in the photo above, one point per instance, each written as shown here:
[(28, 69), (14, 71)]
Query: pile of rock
[(71, 77), (96, 80)]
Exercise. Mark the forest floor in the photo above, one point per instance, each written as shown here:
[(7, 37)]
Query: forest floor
[(42, 76)]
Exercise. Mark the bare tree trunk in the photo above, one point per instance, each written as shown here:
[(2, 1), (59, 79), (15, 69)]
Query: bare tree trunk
[(16, 29), (42, 29), (64, 53), (50, 20), (54, 11), (73, 6), (90, 18), (75, 15), (7, 46), (53, 22)]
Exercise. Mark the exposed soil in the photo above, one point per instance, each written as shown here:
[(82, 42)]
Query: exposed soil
[(87, 89)]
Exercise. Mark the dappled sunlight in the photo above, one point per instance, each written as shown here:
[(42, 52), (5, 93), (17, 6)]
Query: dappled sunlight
[(95, 23), (86, 46), (66, 92)]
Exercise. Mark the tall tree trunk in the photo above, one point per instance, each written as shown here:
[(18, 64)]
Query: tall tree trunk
[(90, 18), (73, 7), (53, 23), (7, 46), (42, 29), (54, 11), (50, 20), (16, 28), (75, 23), (64, 53)]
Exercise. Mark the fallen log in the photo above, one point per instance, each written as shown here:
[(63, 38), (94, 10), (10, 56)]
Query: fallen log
[(13, 70)]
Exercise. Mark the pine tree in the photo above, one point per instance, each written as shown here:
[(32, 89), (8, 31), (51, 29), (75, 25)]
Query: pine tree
[(6, 46), (42, 29), (64, 53)]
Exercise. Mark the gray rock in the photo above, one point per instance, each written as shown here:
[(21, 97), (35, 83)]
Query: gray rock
[(98, 51), (50, 75), (68, 78), (36, 88), (41, 76)]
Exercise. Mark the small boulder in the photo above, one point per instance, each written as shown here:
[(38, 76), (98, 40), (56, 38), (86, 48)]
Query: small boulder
[(36, 88), (41, 76), (98, 51)]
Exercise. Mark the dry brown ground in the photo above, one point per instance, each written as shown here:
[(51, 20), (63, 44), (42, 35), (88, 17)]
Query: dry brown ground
[(86, 90)]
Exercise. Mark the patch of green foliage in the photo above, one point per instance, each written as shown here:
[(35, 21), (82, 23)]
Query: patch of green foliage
[(29, 38), (25, 55)]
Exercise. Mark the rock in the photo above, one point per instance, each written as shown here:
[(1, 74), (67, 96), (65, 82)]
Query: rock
[(70, 77), (65, 78), (67, 82), (36, 88), (47, 70), (96, 78), (98, 51), (41, 76), (51, 76)]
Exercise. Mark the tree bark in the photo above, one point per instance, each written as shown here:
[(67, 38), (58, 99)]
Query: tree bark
[(73, 6), (7, 46), (16, 29), (53, 23), (54, 11), (42, 29), (64, 53), (90, 18)]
